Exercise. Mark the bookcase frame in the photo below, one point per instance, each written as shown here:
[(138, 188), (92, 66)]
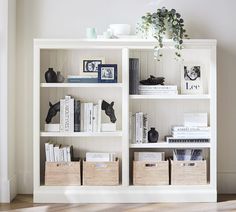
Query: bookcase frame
[(124, 193)]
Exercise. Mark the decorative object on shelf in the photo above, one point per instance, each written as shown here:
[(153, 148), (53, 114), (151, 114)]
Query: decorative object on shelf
[(152, 80), (161, 23), (60, 77), (91, 33), (89, 66), (191, 78), (134, 75), (107, 73), (153, 135), (51, 76), (120, 29), (109, 110), (52, 111)]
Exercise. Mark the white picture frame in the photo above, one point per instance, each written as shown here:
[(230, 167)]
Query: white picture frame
[(89, 65), (192, 75)]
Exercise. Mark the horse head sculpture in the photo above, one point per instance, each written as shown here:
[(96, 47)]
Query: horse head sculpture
[(52, 111), (109, 110)]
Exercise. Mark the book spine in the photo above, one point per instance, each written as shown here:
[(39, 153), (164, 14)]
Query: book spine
[(67, 114), (56, 153), (72, 110), (145, 128), (141, 127), (82, 117), (61, 155), (95, 118), (99, 115), (192, 129), (85, 117), (62, 115), (51, 152), (77, 116), (65, 154), (90, 117), (47, 152), (136, 128), (68, 148)]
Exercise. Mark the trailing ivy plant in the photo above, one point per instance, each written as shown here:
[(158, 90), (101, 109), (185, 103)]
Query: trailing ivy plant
[(158, 24)]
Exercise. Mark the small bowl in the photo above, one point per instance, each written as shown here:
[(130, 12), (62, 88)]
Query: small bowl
[(120, 29)]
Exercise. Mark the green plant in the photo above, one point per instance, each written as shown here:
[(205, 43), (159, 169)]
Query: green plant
[(158, 24)]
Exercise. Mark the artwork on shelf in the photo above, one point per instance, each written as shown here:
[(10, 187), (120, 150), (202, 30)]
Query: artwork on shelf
[(192, 78), (107, 73), (89, 66), (109, 110), (52, 111)]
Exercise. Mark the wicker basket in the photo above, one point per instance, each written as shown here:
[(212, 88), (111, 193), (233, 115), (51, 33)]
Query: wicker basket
[(188, 172), (101, 173), (150, 173), (62, 173)]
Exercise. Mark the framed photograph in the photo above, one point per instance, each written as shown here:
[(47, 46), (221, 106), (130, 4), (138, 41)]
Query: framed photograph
[(89, 66), (107, 73), (192, 78)]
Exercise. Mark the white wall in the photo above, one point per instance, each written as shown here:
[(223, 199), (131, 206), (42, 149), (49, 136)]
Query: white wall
[(69, 18), (7, 99)]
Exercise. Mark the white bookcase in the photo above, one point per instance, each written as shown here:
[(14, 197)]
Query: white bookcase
[(163, 111)]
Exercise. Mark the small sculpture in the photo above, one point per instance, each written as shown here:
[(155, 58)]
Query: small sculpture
[(153, 135), (109, 110), (52, 111), (51, 76), (153, 81), (60, 77)]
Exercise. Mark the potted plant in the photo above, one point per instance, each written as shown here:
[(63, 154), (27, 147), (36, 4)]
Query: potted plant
[(162, 24)]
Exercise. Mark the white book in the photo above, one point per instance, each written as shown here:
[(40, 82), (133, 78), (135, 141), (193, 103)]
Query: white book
[(67, 114), (62, 115), (95, 118), (99, 115), (82, 117), (145, 128), (65, 154), (56, 152), (90, 117), (158, 87), (137, 128), (51, 152), (190, 129), (68, 148), (47, 152), (81, 77), (141, 127), (98, 157), (85, 117), (61, 155), (195, 119), (71, 115), (149, 156)]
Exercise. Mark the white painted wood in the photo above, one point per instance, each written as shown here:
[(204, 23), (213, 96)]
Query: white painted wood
[(81, 134), (171, 145), (163, 111)]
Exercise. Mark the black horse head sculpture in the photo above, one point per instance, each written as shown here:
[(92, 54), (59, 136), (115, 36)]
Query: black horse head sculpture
[(52, 111), (109, 110)]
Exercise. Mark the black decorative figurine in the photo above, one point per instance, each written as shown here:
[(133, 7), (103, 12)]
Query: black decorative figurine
[(153, 135), (50, 76), (153, 81), (52, 111), (109, 110)]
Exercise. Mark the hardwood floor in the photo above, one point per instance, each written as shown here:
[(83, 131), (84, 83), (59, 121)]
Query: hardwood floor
[(25, 203)]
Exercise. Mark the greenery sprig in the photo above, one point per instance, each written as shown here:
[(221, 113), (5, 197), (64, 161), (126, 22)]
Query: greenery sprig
[(158, 23)]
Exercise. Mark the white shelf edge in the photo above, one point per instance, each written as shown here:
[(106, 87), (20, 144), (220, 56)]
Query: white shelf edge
[(81, 134), (81, 85), (171, 145), (203, 96)]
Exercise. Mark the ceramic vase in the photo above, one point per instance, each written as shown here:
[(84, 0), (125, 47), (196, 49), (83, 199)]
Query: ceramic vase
[(50, 76), (152, 135)]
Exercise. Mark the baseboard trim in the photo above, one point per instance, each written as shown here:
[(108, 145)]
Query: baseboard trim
[(226, 182), (13, 187)]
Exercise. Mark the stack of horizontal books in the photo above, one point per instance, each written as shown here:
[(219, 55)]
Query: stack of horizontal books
[(81, 79), (158, 89)]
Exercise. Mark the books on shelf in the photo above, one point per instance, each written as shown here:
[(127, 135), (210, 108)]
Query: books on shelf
[(158, 90), (134, 76), (187, 154), (100, 157), (139, 128), (81, 79), (149, 156), (79, 117), (58, 153)]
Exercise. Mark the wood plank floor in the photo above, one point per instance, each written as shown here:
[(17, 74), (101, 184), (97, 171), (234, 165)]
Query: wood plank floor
[(25, 203)]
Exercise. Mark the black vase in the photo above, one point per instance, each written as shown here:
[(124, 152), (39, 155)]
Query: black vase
[(152, 135), (51, 76)]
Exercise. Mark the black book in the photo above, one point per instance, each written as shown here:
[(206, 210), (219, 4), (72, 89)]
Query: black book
[(77, 116), (133, 76)]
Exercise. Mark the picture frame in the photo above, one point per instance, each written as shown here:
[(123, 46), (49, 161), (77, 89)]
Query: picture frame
[(192, 75), (89, 66), (107, 73)]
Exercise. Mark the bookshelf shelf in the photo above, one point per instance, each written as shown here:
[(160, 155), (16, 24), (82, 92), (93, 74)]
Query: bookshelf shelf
[(171, 145), (81, 134), (64, 55), (81, 85), (177, 97)]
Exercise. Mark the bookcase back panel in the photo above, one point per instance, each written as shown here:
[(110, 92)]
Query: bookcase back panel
[(70, 62), (84, 95), (164, 114), (170, 68)]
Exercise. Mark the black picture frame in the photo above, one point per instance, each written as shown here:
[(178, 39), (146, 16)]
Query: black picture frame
[(107, 73), (91, 66)]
